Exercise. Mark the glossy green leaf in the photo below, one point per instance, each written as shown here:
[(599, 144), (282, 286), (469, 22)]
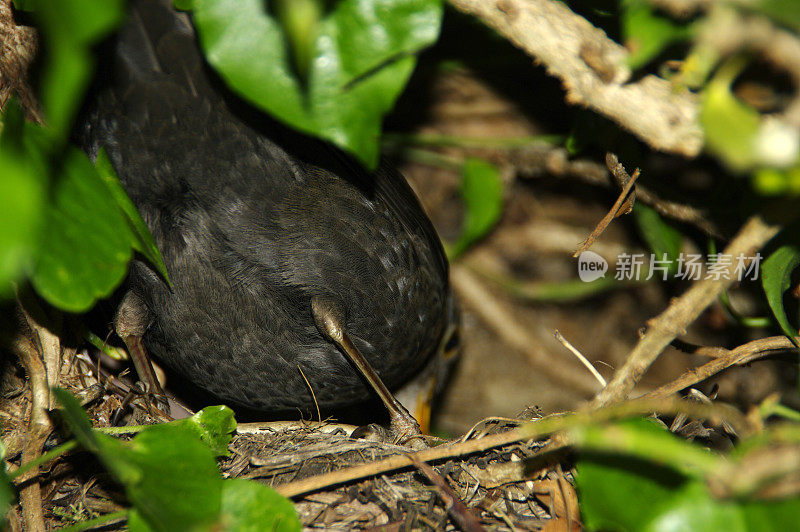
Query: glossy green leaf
[(776, 278), (730, 125), (179, 487), (663, 239), (85, 247), (300, 21), (142, 241), (169, 475), (105, 447), (482, 192), (647, 33), (214, 425), (639, 491), (69, 28), (362, 58), (183, 5), (249, 506), (137, 523), (25, 5), (22, 199), (644, 439), (635, 475)]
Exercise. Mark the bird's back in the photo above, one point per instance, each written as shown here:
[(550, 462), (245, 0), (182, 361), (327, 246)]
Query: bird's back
[(250, 231)]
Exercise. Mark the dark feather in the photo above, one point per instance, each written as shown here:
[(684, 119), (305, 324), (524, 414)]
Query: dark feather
[(250, 230)]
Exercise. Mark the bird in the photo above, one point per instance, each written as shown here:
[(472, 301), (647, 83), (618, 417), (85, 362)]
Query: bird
[(274, 242)]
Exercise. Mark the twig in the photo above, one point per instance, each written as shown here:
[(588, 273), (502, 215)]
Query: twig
[(702, 350), (735, 357), (623, 205), (593, 70), (18, 47), (681, 313), (473, 294), (38, 428), (529, 431), (465, 519), (572, 349), (556, 162)]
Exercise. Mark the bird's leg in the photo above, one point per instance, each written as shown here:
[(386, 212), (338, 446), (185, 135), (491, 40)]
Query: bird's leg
[(130, 323), (330, 321)]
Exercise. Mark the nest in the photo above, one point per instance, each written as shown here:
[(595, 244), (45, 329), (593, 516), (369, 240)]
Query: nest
[(494, 488)]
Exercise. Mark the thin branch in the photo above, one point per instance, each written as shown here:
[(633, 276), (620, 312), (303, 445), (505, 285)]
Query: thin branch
[(529, 431), (623, 205), (736, 357), (682, 312), (572, 349), (38, 428), (593, 70), (465, 519), (556, 162)]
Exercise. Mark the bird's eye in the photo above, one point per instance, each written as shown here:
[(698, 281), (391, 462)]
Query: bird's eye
[(453, 342)]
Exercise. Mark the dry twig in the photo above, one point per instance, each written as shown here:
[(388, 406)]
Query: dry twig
[(38, 429), (662, 329), (572, 349), (555, 162), (455, 506), (18, 46), (736, 357), (623, 205), (529, 431)]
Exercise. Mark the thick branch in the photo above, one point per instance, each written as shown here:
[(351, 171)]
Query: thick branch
[(593, 71)]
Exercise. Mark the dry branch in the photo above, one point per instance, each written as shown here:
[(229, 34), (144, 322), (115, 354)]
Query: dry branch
[(735, 357), (593, 71), (529, 431), (623, 205), (662, 329)]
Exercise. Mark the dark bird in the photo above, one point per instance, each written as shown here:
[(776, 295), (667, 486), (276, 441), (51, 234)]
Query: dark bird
[(267, 236)]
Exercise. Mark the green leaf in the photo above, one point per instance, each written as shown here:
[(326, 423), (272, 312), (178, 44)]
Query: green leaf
[(169, 475), (362, 59), (784, 11), (69, 28), (730, 126), (638, 476), (22, 200), (183, 5), (142, 241), (178, 486), (644, 439), (137, 523), (214, 425), (250, 506), (482, 192), (663, 239), (647, 33), (775, 278), (76, 420), (770, 516), (300, 22), (639, 490), (86, 243)]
